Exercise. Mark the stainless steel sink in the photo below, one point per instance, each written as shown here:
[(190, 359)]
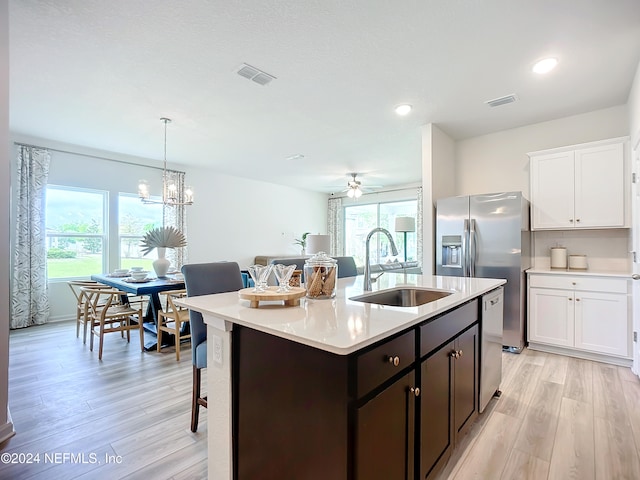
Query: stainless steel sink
[(403, 296)]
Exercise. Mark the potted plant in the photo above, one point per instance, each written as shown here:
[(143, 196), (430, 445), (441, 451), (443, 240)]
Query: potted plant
[(162, 238), (302, 241)]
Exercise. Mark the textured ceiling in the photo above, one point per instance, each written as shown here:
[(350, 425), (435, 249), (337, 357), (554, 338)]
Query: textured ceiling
[(101, 73)]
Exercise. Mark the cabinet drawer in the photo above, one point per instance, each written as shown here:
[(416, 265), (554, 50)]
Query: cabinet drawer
[(438, 331), (379, 364), (566, 282)]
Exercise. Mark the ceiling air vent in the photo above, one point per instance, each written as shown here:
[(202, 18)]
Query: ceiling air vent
[(254, 74), (496, 102)]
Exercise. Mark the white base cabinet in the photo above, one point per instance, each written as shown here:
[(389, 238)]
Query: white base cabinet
[(580, 313)]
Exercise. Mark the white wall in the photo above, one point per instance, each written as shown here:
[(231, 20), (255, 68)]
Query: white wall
[(444, 170), (498, 162), (232, 218), (237, 219), (6, 427), (633, 105)]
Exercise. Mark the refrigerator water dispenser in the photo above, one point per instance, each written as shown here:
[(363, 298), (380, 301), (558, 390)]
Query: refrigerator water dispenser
[(452, 251)]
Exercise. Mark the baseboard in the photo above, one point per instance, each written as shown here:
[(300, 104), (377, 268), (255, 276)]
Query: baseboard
[(7, 431), (596, 357)]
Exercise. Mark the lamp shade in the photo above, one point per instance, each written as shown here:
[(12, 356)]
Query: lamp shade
[(318, 243), (405, 224)]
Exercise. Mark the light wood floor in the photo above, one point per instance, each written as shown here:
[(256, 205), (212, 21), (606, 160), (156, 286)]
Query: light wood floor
[(558, 417), (132, 404)]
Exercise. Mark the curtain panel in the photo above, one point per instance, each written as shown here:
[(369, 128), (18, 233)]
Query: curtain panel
[(419, 223), (176, 216), (29, 286), (335, 226)]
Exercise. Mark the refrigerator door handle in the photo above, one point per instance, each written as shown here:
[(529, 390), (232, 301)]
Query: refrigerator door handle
[(465, 249), (473, 251)]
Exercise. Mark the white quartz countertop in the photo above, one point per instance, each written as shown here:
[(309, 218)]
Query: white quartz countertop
[(339, 325), (590, 272)]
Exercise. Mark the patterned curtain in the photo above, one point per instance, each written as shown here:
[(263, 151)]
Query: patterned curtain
[(419, 220), (335, 226), (29, 295), (176, 216)]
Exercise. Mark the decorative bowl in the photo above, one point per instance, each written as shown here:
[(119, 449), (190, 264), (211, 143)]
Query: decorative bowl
[(139, 275)]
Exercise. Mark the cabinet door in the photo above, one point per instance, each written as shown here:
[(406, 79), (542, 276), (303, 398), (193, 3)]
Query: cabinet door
[(552, 190), (465, 375), (384, 443), (602, 323), (599, 187), (436, 434), (551, 316)]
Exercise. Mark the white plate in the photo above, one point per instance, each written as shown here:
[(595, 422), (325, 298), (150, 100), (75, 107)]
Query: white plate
[(133, 280), (118, 275)]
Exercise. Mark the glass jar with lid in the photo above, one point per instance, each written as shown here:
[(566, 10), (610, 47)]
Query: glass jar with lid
[(321, 276)]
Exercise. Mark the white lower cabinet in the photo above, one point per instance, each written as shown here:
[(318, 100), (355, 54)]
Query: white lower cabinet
[(579, 313)]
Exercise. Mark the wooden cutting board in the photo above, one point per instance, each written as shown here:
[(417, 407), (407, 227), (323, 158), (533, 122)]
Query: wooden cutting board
[(290, 298)]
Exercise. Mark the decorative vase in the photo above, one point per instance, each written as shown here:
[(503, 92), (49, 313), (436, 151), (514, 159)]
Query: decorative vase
[(161, 264)]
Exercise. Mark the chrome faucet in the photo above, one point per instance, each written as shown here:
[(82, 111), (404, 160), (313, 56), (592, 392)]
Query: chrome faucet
[(367, 265)]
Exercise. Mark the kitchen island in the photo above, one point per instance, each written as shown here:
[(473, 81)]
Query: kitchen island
[(339, 388)]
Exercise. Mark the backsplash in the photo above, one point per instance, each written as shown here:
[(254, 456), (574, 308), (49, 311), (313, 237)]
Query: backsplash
[(606, 250)]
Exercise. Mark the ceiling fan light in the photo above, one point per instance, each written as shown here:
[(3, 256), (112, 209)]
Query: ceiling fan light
[(357, 192), (350, 193)]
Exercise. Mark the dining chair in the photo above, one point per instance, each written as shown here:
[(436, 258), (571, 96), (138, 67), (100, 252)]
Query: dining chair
[(205, 279), (81, 303), (346, 267), (107, 312), (172, 319)]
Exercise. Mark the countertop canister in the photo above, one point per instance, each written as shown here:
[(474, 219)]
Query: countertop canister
[(320, 275), (577, 262), (558, 257)]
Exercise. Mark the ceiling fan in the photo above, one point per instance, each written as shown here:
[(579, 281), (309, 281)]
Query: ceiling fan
[(354, 187)]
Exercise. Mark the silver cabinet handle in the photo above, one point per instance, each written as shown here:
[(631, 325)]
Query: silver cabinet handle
[(635, 276), (395, 361)]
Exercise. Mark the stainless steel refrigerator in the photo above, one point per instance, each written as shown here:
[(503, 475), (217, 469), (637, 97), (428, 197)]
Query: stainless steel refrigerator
[(488, 236)]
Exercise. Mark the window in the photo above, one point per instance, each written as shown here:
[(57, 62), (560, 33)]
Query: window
[(361, 219), (134, 219), (78, 231), (76, 226)]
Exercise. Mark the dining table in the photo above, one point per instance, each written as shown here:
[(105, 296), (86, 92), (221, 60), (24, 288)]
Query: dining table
[(149, 287)]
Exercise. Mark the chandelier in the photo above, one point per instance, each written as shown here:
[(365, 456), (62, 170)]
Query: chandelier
[(169, 188)]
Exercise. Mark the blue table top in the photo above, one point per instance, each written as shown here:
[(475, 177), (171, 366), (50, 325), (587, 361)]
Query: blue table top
[(154, 286)]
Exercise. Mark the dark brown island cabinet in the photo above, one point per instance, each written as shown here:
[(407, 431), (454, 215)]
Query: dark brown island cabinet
[(391, 411)]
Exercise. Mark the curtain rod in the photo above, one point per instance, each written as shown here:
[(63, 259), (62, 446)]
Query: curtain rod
[(95, 156)]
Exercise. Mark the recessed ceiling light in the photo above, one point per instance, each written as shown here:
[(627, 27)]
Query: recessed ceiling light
[(403, 109), (297, 156), (545, 65)]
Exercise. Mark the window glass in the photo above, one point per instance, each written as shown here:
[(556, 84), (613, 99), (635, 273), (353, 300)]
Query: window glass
[(134, 219), (75, 224), (361, 219)]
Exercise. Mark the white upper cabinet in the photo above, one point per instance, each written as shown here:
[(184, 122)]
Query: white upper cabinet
[(583, 186)]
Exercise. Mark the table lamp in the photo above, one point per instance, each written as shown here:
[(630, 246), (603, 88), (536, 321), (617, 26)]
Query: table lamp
[(318, 243), (404, 225)]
